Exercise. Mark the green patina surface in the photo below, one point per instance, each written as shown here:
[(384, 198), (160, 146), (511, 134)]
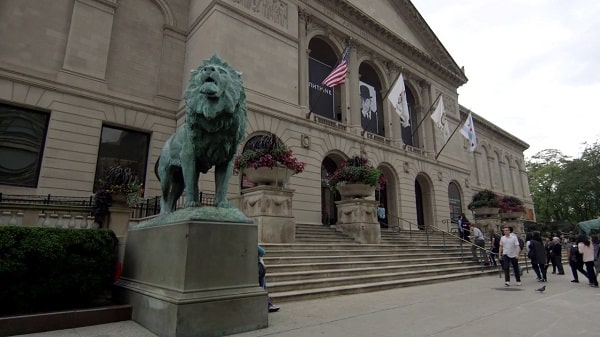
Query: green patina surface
[(207, 213), (215, 125)]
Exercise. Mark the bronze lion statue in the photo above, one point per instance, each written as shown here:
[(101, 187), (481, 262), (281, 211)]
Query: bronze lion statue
[(215, 125)]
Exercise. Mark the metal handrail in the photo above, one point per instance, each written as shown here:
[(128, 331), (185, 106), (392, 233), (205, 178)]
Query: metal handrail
[(468, 243), (398, 222)]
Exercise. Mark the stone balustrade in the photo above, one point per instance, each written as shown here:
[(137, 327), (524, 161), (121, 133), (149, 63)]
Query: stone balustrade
[(58, 216)]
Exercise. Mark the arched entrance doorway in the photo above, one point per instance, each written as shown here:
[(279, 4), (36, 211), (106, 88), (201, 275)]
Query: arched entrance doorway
[(424, 201), (454, 202), (328, 196), (386, 193)]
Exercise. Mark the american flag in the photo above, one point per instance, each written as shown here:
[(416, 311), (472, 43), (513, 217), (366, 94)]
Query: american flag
[(338, 74)]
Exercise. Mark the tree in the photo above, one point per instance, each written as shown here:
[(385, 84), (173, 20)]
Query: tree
[(545, 170), (563, 188)]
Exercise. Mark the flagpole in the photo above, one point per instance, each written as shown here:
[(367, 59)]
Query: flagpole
[(453, 132), (424, 117), (391, 87)]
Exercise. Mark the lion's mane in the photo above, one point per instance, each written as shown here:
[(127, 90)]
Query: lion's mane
[(215, 125)]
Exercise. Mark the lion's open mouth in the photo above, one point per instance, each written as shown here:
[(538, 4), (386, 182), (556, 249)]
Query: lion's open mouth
[(210, 87)]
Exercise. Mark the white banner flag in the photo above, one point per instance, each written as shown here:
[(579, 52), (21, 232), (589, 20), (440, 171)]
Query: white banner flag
[(397, 97), (439, 117), (468, 131)]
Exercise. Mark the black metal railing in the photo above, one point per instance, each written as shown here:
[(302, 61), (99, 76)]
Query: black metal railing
[(48, 199), (144, 208), (151, 206)]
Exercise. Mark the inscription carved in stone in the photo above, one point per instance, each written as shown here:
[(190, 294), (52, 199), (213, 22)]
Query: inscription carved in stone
[(275, 11)]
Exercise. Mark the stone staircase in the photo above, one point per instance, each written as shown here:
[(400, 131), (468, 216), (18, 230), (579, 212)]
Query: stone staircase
[(324, 263)]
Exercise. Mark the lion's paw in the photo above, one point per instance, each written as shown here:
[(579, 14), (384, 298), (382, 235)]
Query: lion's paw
[(224, 204), (191, 204)]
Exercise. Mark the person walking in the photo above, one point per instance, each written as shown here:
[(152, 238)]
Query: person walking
[(510, 251), (536, 252), (587, 251), (556, 255), (575, 260), (478, 244), (596, 244), (495, 246), (381, 216), (548, 246), (461, 219)]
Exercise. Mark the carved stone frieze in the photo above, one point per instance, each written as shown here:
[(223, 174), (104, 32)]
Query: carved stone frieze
[(358, 219), (264, 200), (275, 11)]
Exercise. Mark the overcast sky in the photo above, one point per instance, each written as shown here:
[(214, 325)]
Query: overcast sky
[(533, 65)]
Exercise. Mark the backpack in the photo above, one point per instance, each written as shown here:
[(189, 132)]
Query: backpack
[(521, 243), (496, 242), (575, 256), (531, 252)]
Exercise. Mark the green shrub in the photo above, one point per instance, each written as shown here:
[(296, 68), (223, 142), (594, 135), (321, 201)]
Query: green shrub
[(46, 269)]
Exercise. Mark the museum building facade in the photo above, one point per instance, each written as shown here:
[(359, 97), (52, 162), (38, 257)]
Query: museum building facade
[(86, 84)]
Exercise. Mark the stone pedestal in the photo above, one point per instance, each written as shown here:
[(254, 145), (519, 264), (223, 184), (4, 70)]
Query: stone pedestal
[(193, 278), (271, 209), (358, 218), (118, 222), (486, 218)]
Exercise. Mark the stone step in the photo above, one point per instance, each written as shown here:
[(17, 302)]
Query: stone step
[(400, 257), (323, 262), (339, 281), (276, 276), (335, 290), (410, 252)]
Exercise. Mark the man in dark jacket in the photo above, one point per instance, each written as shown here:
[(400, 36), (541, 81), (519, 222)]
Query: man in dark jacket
[(556, 256), (537, 254)]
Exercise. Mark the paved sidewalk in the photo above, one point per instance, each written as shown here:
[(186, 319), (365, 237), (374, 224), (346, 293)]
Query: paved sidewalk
[(474, 307)]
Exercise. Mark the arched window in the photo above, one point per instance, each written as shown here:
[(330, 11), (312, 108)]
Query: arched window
[(323, 101), (371, 109), (407, 133), (454, 201)]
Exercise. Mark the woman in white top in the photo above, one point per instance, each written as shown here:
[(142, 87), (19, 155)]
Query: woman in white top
[(585, 247)]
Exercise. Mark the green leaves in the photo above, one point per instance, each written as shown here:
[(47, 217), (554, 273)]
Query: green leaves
[(563, 188)]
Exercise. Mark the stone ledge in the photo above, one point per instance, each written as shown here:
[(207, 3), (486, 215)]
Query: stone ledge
[(68, 319)]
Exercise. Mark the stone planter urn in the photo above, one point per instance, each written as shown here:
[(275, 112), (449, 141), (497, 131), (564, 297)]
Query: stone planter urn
[(355, 191), (274, 176), (486, 211), (511, 215)]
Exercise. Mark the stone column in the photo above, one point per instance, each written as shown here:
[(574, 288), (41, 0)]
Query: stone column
[(86, 54), (172, 58), (271, 209), (303, 60), (352, 110), (358, 218)]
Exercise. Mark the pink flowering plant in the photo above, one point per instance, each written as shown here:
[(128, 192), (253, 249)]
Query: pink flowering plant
[(510, 204), (272, 156), (356, 170)]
